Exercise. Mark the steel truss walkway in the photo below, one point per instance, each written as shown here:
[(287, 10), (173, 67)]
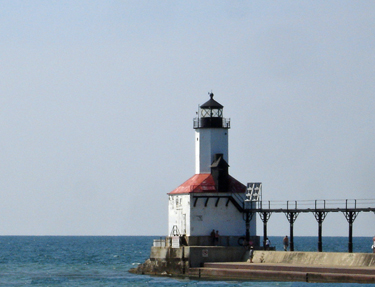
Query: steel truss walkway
[(320, 208)]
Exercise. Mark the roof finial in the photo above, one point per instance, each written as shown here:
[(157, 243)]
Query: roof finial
[(211, 94)]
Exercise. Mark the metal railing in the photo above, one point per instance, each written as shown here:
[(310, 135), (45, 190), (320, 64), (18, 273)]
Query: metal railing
[(318, 204), (161, 242), (197, 123)]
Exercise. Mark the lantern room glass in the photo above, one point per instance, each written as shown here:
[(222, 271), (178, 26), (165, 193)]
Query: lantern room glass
[(211, 113)]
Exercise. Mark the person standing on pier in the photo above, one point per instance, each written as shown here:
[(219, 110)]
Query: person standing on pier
[(213, 237), (268, 242), (286, 243), (217, 238), (251, 254)]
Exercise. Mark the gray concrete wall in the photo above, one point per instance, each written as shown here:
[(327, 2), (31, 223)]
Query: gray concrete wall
[(167, 260), (315, 258), (207, 241), (197, 255)]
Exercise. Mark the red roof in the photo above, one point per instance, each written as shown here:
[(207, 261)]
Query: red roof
[(204, 182)]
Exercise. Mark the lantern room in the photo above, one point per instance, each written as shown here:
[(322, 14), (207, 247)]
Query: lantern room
[(210, 115)]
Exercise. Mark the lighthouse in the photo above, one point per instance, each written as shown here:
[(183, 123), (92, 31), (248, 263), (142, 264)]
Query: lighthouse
[(211, 133), (211, 199)]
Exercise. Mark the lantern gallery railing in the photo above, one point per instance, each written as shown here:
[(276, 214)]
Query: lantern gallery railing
[(219, 122)]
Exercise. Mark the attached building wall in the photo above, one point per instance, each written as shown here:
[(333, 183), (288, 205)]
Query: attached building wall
[(199, 220), (219, 215), (179, 213)]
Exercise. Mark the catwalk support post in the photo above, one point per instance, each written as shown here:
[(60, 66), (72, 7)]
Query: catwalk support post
[(265, 216), (291, 216), (320, 216), (350, 216)]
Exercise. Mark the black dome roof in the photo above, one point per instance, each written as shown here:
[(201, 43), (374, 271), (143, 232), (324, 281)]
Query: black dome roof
[(211, 104)]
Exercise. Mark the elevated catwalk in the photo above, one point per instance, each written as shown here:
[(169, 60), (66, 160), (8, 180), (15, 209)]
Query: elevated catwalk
[(320, 208)]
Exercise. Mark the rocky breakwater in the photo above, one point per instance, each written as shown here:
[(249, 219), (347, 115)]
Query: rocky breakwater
[(164, 261), (177, 261)]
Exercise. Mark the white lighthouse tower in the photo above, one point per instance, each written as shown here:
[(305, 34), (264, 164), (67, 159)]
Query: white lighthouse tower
[(211, 133), (211, 199)]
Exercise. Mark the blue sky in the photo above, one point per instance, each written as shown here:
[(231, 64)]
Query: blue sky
[(97, 100)]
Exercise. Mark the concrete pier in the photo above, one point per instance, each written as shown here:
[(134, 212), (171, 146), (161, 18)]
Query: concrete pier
[(283, 272), (230, 263), (316, 258), (294, 266), (177, 261)]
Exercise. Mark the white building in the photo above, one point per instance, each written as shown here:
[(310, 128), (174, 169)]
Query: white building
[(210, 199)]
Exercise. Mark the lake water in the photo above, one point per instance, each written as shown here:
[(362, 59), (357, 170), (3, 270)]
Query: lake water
[(105, 261)]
